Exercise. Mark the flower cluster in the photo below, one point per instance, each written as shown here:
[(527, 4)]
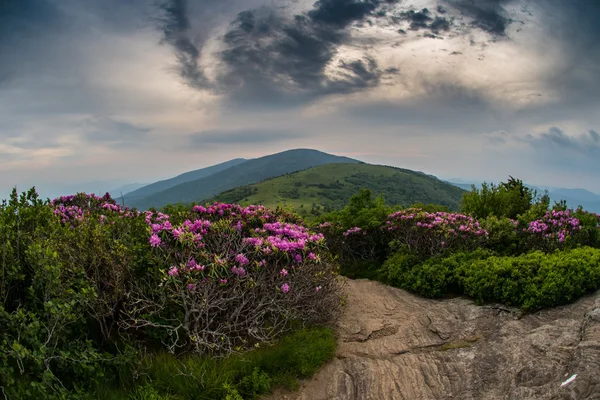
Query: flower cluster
[(256, 238), (354, 230), (432, 233), (73, 209), (554, 226)]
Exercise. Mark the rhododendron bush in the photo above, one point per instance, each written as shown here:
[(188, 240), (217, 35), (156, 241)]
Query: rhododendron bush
[(232, 277), (434, 233)]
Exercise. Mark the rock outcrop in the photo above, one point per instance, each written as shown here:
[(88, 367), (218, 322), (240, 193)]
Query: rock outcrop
[(394, 345)]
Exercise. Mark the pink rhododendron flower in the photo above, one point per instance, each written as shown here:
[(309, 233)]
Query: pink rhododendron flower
[(285, 288), (241, 259), (155, 240)]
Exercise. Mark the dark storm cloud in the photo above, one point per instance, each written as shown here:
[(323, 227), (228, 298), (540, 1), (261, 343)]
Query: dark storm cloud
[(423, 19), (175, 26), (279, 60), (574, 27), (341, 13), (242, 136), (488, 15)]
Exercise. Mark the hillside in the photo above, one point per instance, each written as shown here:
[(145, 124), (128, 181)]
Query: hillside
[(330, 187), (159, 186), (246, 173)]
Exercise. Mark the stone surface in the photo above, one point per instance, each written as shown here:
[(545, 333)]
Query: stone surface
[(394, 345)]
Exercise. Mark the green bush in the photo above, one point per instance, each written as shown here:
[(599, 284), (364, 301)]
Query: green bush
[(362, 253), (533, 281), (434, 277), (508, 199), (503, 236)]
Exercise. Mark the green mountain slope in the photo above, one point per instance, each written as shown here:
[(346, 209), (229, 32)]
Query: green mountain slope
[(249, 172), (330, 187), (156, 187)]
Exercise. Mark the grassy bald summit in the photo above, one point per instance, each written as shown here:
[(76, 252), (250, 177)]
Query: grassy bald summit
[(329, 187), (245, 173)]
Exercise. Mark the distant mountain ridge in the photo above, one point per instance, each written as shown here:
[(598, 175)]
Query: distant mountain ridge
[(165, 184), (243, 173)]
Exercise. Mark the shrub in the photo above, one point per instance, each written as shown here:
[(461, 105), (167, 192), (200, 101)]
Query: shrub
[(555, 230), (503, 236), (353, 234), (85, 288), (430, 234), (508, 199), (536, 280), (434, 277), (47, 340), (232, 277)]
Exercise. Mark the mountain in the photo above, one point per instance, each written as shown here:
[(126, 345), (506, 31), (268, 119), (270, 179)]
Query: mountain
[(246, 173), (579, 194), (576, 197), (156, 187), (116, 193), (329, 187)]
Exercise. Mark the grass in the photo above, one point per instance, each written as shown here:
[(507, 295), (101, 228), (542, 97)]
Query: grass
[(329, 187), (240, 376)]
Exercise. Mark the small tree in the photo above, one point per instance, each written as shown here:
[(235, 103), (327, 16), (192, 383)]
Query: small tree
[(508, 199)]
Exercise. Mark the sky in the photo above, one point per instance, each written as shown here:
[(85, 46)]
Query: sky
[(110, 92)]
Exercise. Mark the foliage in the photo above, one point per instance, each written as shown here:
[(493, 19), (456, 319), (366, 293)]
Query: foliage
[(535, 280), (504, 237), (433, 277), (50, 302), (247, 374), (531, 281), (238, 376), (85, 288), (354, 233), (430, 234), (508, 199), (232, 277)]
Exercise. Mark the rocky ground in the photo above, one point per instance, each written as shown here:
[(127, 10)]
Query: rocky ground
[(394, 345)]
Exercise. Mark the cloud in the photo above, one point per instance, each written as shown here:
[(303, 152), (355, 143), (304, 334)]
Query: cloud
[(175, 26), (586, 144), (341, 13), (271, 57), (242, 136), (577, 156), (113, 132), (488, 15)]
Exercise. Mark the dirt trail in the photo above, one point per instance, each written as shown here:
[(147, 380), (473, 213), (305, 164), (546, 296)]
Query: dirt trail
[(394, 345)]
